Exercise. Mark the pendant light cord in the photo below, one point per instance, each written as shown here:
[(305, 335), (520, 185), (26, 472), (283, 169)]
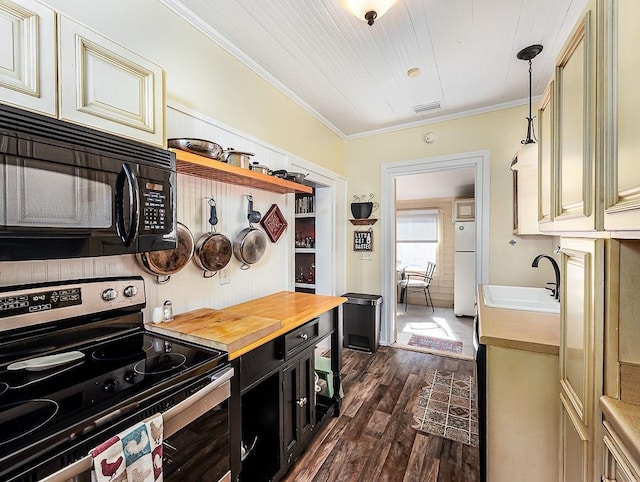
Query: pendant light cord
[(531, 136)]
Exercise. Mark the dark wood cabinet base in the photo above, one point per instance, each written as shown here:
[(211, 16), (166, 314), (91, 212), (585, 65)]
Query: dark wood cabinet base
[(276, 411)]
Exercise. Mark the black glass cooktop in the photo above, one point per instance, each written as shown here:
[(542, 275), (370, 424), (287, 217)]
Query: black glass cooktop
[(76, 362)]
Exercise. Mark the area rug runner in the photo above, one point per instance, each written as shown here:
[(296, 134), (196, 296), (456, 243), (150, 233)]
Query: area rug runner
[(446, 407), (452, 346)]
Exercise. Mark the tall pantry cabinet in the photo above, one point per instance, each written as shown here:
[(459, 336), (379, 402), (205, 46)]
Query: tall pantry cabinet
[(589, 194)]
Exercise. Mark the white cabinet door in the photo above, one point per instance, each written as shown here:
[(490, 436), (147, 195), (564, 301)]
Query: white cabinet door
[(106, 86), (575, 187), (546, 133), (28, 56), (576, 450), (620, 72), (581, 351)]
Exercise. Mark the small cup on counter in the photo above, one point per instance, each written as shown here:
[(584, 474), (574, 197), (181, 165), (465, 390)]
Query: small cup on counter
[(157, 315)]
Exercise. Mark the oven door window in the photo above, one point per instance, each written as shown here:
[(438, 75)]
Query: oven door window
[(46, 195), (199, 451)]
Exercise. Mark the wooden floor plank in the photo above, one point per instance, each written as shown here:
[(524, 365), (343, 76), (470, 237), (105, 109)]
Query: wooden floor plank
[(373, 439)]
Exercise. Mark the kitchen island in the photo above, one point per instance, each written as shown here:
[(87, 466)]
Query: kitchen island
[(277, 344), (518, 393)]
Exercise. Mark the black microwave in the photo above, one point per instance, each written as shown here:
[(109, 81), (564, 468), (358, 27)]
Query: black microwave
[(68, 191)]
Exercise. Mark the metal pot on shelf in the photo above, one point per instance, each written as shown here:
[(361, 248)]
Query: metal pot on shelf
[(237, 158), (202, 147), (256, 167)]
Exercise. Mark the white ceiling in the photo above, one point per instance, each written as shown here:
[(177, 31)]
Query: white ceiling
[(440, 184), (353, 77)]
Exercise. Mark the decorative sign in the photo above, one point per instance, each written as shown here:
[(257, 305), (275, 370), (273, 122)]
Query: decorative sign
[(363, 241), (274, 223)]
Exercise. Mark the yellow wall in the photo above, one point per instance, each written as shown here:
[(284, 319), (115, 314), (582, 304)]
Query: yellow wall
[(500, 133), (203, 76)]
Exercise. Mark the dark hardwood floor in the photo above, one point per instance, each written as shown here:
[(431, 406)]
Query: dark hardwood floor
[(373, 440)]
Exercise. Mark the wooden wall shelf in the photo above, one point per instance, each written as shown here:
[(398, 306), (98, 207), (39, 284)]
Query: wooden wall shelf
[(363, 222), (200, 166)]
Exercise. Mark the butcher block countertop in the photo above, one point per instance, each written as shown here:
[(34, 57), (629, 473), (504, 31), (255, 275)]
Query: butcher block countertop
[(520, 330), (244, 327)]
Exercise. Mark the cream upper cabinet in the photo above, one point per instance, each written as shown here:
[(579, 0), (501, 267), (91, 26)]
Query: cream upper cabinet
[(106, 86), (545, 158), (581, 356), (576, 177), (28, 56), (51, 64), (620, 73)]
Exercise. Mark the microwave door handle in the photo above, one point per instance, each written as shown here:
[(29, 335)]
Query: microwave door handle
[(127, 173)]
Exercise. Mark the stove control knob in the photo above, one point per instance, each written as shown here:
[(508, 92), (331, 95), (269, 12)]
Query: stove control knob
[(130, 291), (130, 377), (109, 385), (109, 294)]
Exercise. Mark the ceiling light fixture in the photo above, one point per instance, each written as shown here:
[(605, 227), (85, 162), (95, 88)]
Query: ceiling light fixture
[(368, 10), (413, 73), (527, 155)]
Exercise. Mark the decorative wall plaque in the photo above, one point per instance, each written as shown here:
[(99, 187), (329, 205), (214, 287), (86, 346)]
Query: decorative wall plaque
[(274, 223)]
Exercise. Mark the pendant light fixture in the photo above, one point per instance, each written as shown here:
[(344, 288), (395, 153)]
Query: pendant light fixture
[(527, 155), (368, 10)]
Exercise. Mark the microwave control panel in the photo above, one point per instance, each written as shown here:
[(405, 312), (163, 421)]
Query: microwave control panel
[(154, 207)]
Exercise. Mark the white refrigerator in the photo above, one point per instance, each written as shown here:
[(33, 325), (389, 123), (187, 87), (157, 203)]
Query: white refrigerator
[(464, 280)]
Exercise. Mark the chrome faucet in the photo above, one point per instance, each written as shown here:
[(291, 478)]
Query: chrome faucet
[(555, 292)]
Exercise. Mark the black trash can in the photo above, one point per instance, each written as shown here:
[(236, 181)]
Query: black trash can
[(361, 321)]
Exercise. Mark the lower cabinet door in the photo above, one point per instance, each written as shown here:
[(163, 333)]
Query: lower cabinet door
[(297, 394), (575, 462)]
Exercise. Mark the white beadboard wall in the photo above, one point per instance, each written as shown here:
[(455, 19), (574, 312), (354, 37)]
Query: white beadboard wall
[(187, 289)]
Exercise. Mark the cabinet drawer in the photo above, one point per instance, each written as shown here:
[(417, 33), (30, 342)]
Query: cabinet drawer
[(300, 337)]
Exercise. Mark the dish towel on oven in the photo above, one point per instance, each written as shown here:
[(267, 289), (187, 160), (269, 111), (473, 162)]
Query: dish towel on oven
[(134, 455)]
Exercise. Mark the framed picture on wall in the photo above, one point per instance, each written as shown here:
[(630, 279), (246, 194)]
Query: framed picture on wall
[(363, 241)]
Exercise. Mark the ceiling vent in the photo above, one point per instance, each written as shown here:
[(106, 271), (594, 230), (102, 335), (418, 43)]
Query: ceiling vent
[(420, 108)]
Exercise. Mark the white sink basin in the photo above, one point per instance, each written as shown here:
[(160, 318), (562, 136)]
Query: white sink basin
[(520, 298)]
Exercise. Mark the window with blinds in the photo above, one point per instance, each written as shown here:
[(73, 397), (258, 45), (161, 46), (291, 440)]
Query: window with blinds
[(417, 233)]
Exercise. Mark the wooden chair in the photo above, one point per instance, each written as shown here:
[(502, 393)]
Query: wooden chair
[(418, 281)]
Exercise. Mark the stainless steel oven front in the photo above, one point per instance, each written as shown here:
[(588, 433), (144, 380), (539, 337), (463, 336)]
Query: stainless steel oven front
[(196, 437)]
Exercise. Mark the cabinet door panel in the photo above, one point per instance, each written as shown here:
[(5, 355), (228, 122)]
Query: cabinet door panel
[(106, 86), (622, 99), (581, 354), (290, 416), (574, 207), (307, 393), (28, 56), (575, 447), (545, 147), (574, 369)]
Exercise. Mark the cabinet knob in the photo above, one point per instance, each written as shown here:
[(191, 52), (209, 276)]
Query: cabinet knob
[(304, 336), (301, 402)]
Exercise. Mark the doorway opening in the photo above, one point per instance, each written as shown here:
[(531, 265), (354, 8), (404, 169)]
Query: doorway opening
[(435, 262), (392, 173)]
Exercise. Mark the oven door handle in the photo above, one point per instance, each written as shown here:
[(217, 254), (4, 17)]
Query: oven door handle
[(127, 236), (218, 380)]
